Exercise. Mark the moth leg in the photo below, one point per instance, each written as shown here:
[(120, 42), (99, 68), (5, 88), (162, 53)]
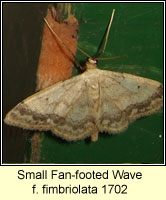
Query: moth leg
[(94, 136)]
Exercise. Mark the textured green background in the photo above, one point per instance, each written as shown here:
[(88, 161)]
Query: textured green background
[(137, 31)]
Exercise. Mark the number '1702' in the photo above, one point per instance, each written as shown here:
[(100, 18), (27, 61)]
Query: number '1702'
[(117, 189)]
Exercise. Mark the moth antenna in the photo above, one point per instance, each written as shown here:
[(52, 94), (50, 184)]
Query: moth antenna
[(64, 45), (107, 33), (83, 52), (105, 42), (113, 58)]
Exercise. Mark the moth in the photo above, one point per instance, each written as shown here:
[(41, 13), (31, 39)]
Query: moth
[(92, 102)]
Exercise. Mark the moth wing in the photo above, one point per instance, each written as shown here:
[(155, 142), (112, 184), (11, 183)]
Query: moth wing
[(61, 108), (126, 97)]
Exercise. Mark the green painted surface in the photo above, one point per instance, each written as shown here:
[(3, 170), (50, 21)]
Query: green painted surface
[(137, 31)]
